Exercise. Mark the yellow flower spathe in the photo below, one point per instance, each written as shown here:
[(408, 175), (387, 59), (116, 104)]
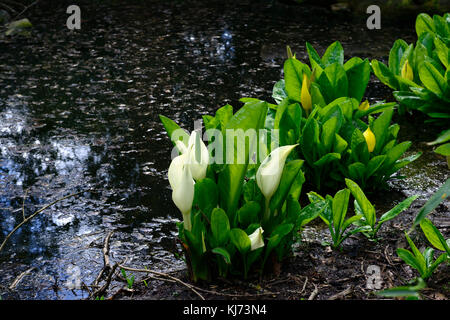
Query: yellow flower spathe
[(364, 106), (305, 96), (370, 139), (407, 71)]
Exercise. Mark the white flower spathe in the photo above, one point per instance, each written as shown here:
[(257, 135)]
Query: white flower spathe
[(269, 172), (256, 239)]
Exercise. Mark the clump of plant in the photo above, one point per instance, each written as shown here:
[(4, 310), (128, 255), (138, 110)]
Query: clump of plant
[(327, 79), (419, 73), (242, 212), (424, 261), (365, 220), (337, 144)]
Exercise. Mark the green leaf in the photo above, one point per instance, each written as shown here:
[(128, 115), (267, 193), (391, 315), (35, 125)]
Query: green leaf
[(410, 259), (206, 195), (224, 253), (444, 136), (279, 92), (338, 80), (395, 56), (373, 165), (314, 57), (442, 51), (333, 54), (249, 213), (174, 131), (443, 150), (404, 291), (391, 214), (365, 205), (356, 170), (224, 114), (250, 116), (432, 79), (310, 212), (240, 240), (329, 130), (350, 220), (339, 207), (358, 75), (380, 129), (384, 74), (290, 172), (424, 23), (420, 259), (440, 195), (434, 236), (220, 226), (293, 77), (252, 192)]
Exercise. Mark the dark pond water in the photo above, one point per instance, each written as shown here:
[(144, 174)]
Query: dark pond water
[(79, 111)]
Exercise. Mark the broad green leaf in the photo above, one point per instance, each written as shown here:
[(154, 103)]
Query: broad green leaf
[(249, 213), (358, 75), (432, 79), (395, 56), (365, 205), (443, 150), (410, 259), (250, 116), (338, 80), (328, 133), (391, 214), (384, 74), (434, 236), (310, 212), (293, 77), (424, 23), (279, 92), (443, 52), (224, 114), (339, 207), (326, 159), (380, 129), (340, 144), (290, 172), (420, 259), (356, 170), (297, 184), (440, 195), (174, 131), (220, 226), (224, 253), (252, 192), (240, 240), (350, 220), (410, 291), (333, 54), (444, 136), (314, 57), (206, 195), (374, 164)]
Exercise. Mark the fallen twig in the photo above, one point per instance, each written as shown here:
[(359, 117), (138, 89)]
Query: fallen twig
[(341, 294), (19, 278), (161, 274), (314, 293), (33, 215), (106, 261)]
